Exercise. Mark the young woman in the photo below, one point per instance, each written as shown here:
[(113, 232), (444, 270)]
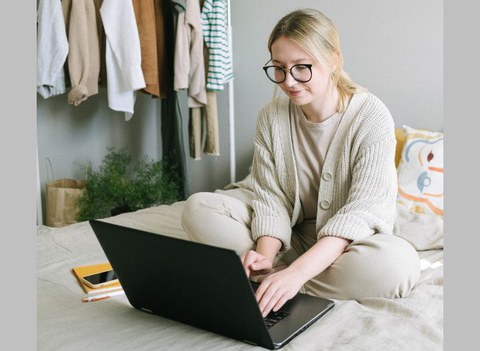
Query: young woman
[(316, 213)]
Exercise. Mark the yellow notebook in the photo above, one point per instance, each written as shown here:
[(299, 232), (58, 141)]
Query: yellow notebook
[(83, 271)]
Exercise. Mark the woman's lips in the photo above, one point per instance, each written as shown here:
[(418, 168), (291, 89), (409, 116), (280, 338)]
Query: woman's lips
[(294, 93)]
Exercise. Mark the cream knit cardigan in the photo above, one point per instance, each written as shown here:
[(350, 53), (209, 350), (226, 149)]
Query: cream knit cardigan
[(358, 184)]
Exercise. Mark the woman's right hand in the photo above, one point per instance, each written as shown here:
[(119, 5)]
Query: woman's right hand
[(255, 263)]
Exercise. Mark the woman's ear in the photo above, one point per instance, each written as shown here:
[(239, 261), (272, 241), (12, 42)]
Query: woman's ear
[(336, 61)]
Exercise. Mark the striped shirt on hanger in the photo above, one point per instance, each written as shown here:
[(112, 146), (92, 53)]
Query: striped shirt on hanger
[(215, 33)]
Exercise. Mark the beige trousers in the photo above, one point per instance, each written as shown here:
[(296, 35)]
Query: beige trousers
[(381, 265)]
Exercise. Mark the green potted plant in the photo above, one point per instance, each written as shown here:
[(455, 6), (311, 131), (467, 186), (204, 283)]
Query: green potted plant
[(119, 186)]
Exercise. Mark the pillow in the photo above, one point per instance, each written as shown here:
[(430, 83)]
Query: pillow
[(400, 136), (420, 172), (420, 187)]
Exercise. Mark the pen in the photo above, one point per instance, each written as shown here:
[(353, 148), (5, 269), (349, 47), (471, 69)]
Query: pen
[(102, 296)]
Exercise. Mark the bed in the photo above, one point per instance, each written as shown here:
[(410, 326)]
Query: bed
[(64, 322)]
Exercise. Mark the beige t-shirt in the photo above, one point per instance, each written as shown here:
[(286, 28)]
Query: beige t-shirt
[(310, 144)]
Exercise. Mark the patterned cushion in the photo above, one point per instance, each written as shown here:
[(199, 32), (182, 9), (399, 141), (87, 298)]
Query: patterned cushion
[(400, 136), (420, 172)]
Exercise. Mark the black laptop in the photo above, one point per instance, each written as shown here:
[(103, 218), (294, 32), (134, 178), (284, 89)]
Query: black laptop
[(200, 285)]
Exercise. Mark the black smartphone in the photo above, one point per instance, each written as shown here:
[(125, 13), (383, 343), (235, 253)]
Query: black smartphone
[(100, 279)]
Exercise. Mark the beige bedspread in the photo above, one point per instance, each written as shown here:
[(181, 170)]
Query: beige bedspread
[(64, 322)]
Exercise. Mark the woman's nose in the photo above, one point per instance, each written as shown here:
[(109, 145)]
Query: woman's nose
[(289, 80)]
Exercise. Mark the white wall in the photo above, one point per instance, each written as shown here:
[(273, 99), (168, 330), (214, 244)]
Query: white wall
[(392, 47)]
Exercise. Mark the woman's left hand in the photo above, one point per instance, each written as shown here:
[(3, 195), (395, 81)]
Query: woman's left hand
[(277, 288)]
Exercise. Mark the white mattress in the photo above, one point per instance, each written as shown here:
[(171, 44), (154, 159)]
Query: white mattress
[(64, 322)]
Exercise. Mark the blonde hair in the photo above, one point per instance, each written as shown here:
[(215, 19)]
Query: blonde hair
[(318, 36)]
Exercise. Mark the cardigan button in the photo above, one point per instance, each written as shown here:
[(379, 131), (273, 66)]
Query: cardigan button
[(327, 176), (325, 204)]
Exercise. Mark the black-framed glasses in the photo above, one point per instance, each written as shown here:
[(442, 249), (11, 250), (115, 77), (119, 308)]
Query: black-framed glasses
[(301, 73)]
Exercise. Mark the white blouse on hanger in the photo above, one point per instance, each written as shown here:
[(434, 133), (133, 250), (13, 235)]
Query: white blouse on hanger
[(123, 56)]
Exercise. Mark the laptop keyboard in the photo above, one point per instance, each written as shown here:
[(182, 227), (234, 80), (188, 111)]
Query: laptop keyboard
[(274, 317)]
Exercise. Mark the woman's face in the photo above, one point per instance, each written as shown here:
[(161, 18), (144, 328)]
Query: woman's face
[(286, 53)]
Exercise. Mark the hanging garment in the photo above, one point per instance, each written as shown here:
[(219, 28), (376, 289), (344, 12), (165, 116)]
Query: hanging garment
[(123, 55), (204, 119), (173, 150), (215, 33), (84, 49), (189, 66), (145, 18), (102, 79), (52, 48), (181, 58), (195, 133), (210, 112), (164, 84)]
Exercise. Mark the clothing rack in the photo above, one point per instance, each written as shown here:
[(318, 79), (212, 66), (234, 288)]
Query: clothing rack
[(231, 110), (231, 126)]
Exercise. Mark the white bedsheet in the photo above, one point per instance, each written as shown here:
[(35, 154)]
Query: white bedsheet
[(64, 322)]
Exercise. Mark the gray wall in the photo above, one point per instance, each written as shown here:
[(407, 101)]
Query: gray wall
[(392, 47)]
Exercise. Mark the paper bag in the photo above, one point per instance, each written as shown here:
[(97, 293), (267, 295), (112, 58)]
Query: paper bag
[(61, 201)]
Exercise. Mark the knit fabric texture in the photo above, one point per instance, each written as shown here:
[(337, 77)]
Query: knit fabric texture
[(358, 185)]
